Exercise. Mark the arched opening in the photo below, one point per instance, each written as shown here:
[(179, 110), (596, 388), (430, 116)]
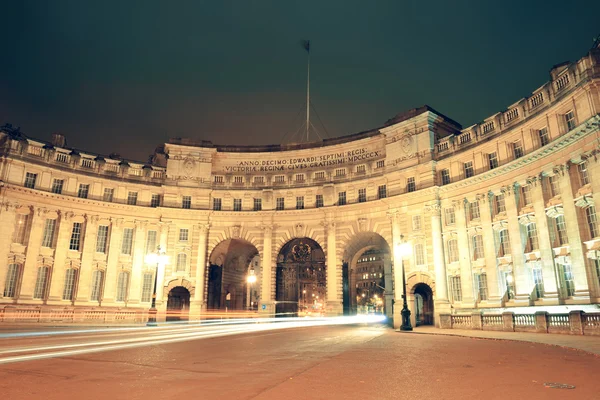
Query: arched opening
[(230, 264), (301, 279), (423, 307), (369, 275), (178, 304)]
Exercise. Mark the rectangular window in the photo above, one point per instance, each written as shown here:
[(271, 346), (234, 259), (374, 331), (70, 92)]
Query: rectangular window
[(237, 204), (69, 288), (102, 239), (380, 164), (217, 204), (554, 185), (582, 168), (452, 250), (544, 136), (127, 243), (151, 242), (320, 175), (319, 202), (504, 243), (84, 190), (419, 254), (108, 194), (257, 204), (478, 247), (568, 277), (280, 179), (450, 216), (155, 200), (259, 180), (474, 210), (500, 203), (341, 198), (132, 198), (538, 281), (280, 203), (122, 286), (184, 234), (517, 149), (181, 262), (57, 186), (362, 195), (41, 283), (561, 230), (597, 264), (21, 228), (340, 172), (361, 169), (299, 202), (147, 284), (469, 171), (445, 176), (299, 178), (411, 185), (590, 216), (416, 222), (492, 160), (12, 278), (30, 180), (218, 179), (455, 288), (49, 229), (482, 286), (526, 199), (186, 202), (382, 191), (570, 120), (532, 237), (75, 236), (97, 283), (238, 179)]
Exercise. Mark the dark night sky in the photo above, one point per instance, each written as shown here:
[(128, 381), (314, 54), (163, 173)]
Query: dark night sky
[(125, 76)]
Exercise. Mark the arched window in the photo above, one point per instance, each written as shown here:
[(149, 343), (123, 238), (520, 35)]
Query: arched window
[(70, 280), (122, 286), (181, 262), (41, 283), (97, 284), (12, 278)]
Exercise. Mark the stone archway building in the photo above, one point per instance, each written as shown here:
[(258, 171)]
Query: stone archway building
[(499, 214)]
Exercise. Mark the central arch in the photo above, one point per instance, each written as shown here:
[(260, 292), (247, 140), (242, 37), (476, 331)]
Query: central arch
[(230, 264), (301, 278), (178, 304)]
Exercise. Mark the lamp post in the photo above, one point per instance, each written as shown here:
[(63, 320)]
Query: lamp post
[(403, 250), (251, 278), (158, 257)]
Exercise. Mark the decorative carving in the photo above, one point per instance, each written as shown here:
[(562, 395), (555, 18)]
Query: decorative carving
[(299, 230), (555, 211), (433, 209), (94, 219), (584, 201), (203, 228), (500, 225), (363, 224), (235, 231), (301, 252), (188, 166), (69, 215), (406, 142), (527, 219), (532, 180)]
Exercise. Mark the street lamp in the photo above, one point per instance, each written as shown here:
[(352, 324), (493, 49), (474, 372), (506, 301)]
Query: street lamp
[(251, 279), (158, 257), (401, 251)]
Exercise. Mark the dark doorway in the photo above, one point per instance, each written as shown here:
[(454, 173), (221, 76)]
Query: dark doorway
[(423, 304), (301, 283), (178, 304), (215, 275), (346, 289)]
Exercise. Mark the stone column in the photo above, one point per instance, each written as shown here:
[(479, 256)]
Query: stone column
[(334, 305), (112, 264), (137, 264), (198, 304), (464, 253), (546, 252), (523, 286), (578, 261), (160, 282), (490, 252), (31, 256), (389, 287), (266, 303), (439, 261), (398, 288), (7, 222), (85, 270)]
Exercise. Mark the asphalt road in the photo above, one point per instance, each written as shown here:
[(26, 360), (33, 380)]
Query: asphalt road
[(334, 362)]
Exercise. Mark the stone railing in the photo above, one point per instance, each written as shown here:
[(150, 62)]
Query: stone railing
[(47, 314), (573, 323)]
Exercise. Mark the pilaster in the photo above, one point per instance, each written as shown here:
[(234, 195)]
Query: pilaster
[(464, 254), (110, 281), (82, 295), (7, 222), (523, 286), (266, 304), (490, 252), (198, 304)]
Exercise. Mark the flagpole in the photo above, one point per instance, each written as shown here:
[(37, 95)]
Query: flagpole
[(308, 93)]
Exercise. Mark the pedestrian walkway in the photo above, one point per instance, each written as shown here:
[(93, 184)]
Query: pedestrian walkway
[(590, 344)]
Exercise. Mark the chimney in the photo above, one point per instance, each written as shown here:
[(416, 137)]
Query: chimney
[(59, 140)]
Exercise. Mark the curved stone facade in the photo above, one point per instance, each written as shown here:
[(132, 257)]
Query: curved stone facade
[(499, 214)]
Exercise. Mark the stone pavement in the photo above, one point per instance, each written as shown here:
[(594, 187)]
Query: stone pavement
[(590, 344)]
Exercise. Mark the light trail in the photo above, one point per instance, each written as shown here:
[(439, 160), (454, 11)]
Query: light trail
[(174, 334)]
